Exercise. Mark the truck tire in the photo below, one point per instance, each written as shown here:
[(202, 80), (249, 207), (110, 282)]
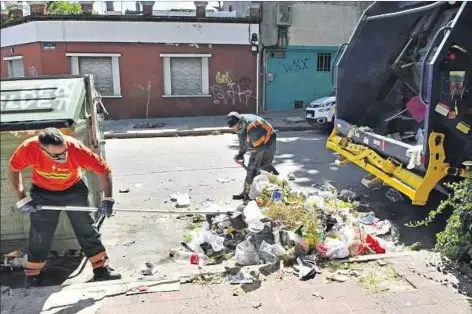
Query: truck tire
[(328, 126)]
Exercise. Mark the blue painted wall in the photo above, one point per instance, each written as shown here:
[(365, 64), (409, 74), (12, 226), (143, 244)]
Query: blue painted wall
[(296, 77)]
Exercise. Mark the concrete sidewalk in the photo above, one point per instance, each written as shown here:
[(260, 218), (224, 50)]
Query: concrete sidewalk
[(193, 126), (413, 285)]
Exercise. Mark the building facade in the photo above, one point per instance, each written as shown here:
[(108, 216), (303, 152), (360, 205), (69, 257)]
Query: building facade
[(143, 66), (299, 42)]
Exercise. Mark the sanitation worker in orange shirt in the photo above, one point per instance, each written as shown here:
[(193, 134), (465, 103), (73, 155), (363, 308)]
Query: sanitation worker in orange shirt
[(56, 161)]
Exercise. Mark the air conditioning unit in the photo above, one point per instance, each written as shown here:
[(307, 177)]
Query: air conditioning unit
[(284, 14)]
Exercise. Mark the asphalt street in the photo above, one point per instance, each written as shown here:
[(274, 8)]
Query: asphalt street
[(155, 168)]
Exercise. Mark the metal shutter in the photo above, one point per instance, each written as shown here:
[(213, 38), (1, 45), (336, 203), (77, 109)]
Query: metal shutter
[(186, 76), (16, 68), (101, 69)]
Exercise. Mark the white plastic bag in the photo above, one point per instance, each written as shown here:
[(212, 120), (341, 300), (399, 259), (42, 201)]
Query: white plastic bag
[(315, 201), (253, 216), (214, 240), (258, 185), (246, 254), (336, 249)]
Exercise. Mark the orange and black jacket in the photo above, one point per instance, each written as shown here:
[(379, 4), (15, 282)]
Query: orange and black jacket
[(255, 132)]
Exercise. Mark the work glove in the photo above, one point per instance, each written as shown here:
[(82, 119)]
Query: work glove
[(26, 206), (106, 207)]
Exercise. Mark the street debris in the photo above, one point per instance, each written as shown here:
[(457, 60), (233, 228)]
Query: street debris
[(318, 295), (125, 190), (148, 269), (256, 305), (288, 231), (223, 180), (14, 259), (238, 292), (181, 199)]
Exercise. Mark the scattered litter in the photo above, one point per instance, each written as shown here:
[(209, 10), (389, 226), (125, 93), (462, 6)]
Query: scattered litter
[(7, 292), (348, 196), (240, 278), (129, 243), (15, 259), (339, 277), (291, 177), (238, 292), (282, 226), (256, 305), (318, 295), (369, 219), (306, 269), (189, 258), (246, 254), (223, 180), (148, 269), (126, 190), (183, 200), (277, 196), (394, 196)]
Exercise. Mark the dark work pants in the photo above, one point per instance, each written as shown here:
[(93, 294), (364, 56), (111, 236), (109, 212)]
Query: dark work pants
[(260, 160), (44, 223)]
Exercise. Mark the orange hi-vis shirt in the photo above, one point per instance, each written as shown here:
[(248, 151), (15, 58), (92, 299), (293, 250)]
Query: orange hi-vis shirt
[(52, 175)]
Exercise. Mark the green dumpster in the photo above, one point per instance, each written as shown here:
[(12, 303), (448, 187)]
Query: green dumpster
[(27, 106)]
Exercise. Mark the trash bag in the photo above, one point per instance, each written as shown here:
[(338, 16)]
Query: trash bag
[(267, 253), (258, 185), (246, 254), (253, 216), (314, 202), (348, 196), (336, 249), (214, 240)]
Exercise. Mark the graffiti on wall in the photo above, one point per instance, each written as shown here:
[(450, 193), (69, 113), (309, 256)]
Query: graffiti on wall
[(223, 78), (297, 65), (231, 92)]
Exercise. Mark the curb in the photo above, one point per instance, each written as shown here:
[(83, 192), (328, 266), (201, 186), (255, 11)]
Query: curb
[(194, 132)]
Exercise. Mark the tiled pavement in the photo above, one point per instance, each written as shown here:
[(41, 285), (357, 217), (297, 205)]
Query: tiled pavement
[(431, 292)]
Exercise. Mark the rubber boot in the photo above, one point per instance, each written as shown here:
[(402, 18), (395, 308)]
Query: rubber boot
[(105, 273)]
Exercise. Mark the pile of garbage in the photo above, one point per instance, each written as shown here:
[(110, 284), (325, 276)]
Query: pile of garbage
[(280, 224)]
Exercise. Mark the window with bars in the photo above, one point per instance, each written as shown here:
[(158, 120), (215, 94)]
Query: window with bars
[(324, 62), (185, 75), (104, 67), (102, 71), (16, 68)]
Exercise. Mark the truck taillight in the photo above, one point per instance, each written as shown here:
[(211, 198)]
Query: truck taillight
[(423, 160), (452, 57)]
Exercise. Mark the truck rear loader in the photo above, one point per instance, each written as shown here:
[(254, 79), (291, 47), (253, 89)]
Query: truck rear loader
[(403, 96)]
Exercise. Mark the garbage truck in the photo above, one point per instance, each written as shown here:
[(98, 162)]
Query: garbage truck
[(404, 96)]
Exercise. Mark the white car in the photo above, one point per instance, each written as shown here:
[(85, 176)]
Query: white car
[(321, 112)]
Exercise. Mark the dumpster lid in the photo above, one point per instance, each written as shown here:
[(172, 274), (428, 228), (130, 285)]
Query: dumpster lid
[(41, 99)]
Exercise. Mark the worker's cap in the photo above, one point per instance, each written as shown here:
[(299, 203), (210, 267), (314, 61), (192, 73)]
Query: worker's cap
[(233, 118)]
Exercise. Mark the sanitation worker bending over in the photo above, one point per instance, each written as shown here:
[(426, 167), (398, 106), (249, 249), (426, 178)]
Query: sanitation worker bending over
[(56, 161), (258, 135)]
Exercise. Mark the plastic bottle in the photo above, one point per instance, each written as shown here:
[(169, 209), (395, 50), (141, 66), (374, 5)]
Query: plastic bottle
[(189, 258)]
